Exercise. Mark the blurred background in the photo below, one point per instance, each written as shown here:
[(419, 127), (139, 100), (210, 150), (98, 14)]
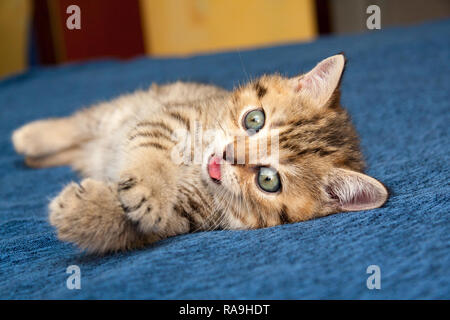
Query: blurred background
[(34, 32)]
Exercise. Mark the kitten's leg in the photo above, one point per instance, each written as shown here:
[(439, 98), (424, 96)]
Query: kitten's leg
[(148, 193), (61, 158), (52, 142), (90, 215), (44, 137)]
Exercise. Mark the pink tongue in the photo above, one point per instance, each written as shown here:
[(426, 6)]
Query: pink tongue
[(214, 168)]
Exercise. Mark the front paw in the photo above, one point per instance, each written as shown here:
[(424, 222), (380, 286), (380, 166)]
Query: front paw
[(70, 211), (89, 215), (142, 204)]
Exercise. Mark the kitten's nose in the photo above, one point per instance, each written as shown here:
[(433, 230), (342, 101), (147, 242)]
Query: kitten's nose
[(228, 153), (234, 157)]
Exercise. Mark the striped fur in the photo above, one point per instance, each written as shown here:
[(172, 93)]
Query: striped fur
[(134, 193)]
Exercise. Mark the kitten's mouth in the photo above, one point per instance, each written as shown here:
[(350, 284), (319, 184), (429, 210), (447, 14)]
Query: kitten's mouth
[(214, 168)]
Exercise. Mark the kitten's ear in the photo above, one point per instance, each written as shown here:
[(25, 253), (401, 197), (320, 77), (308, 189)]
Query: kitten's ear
[(320, 83), (353, 191)]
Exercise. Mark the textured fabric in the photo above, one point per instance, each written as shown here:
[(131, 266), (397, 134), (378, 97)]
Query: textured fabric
[(396, 88)]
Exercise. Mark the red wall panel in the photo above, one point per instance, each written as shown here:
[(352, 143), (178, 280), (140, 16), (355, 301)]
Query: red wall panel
[(109, 28)]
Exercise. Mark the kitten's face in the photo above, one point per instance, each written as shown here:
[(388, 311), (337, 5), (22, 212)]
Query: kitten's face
[(310, 166)]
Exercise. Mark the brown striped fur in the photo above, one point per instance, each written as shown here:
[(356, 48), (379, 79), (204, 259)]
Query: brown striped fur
[(134, 193)]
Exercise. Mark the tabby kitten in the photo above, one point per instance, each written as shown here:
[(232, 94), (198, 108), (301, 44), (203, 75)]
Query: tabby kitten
[(135, 190)]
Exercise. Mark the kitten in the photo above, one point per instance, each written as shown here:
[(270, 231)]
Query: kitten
[(136, 190)]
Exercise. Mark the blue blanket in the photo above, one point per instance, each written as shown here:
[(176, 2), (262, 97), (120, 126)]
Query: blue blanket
[(396, 88)]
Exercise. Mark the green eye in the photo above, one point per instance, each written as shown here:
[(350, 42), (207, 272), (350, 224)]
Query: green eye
[(254, 120), (268, 179)]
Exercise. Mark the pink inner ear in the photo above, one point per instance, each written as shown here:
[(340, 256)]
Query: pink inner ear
[(321, 81), (311, 81), (305, 83), (355, 191), (361, 200)]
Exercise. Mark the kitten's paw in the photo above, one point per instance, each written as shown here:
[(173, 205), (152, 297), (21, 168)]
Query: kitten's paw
[(26, 140), (89, 215), (141, 204), (44, 137), (70, 211)]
